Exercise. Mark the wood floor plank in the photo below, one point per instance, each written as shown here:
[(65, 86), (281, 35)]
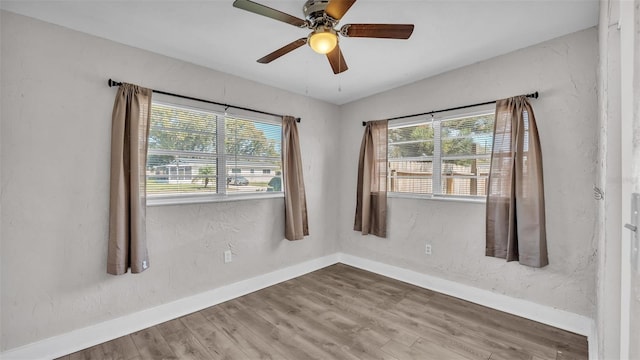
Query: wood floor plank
[(412, 322), (367, 303), (511, 324), (182, 341), (431, 348), (336, 328), (312, 292), (492, 329), (92, 353), (151, 345), (253, 346), (462, 345), (212, 338), (121, 348), (498, 356), (312, 331), (431, 351), (382, 282), (467, 333), (284, 340), (342, 312)]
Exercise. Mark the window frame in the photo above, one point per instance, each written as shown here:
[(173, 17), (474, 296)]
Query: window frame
[(220, 155), (437, 157)]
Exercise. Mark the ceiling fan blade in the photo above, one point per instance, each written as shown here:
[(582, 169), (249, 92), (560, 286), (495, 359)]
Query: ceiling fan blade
[(337, 8), (337, 60), (283, 51), (385, 31), (269, 12)]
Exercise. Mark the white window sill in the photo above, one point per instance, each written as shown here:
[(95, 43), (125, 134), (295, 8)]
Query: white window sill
[(436, 197), (202, 199)]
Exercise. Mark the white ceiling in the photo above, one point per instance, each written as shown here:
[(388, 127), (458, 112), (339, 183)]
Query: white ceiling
[(448, 34)]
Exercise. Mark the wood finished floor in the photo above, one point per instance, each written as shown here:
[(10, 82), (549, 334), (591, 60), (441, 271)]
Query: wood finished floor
[(341, 312)]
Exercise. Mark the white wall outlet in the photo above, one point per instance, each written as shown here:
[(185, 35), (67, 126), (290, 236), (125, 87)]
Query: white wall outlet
[(427, 249), (228, 256)]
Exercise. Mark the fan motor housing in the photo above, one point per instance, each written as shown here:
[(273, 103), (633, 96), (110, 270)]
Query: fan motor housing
[(314, 9)]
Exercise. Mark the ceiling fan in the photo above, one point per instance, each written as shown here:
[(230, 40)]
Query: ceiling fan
[(322, 17)]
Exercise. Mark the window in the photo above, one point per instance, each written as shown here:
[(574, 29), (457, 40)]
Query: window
[(266, 171), (201, 153), (446, 157)]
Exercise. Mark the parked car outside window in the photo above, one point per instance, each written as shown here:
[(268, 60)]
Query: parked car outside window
[(237, 180)]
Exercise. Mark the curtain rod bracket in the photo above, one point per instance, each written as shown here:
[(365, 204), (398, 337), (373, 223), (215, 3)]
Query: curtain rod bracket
[(114, 83)]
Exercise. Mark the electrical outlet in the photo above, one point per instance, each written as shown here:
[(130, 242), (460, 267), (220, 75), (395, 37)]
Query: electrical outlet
[(228, 256), (427, 249)]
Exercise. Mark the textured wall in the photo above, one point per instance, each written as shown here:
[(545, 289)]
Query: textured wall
[(564, 71), (56, 110), (634, 40), (608, 229)]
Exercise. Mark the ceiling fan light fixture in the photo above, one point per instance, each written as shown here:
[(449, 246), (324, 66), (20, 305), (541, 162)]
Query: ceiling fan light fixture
[(323, 41)]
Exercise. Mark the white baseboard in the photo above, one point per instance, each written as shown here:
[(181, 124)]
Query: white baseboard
[(594, 344), (92, 335), (547, 315), (96, 334)]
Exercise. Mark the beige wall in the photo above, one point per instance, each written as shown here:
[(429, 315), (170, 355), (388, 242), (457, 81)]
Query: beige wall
[(56, 110), (563, 70)]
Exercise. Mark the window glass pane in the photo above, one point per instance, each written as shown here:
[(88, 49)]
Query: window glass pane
[(460, 152), (410, 176), (182, 145), (465, 177), (183, 156), (168, 174), (467, 136), (252, 145), (466, 155), (174, 128), (411, 141)]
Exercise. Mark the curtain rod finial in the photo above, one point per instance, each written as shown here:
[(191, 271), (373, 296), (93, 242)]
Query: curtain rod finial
[(364, 123), (298, 120)]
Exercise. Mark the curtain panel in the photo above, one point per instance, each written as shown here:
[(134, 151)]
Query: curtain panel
[(127, 206), (371, 197), (515, 223), (296, 225)]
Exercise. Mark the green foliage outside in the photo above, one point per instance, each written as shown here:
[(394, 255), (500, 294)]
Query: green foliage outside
[(205, 173), (243, 138), (177, 129), (466, 136)]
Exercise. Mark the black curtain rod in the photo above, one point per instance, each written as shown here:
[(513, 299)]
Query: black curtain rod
[(115, 83), (532, 95)]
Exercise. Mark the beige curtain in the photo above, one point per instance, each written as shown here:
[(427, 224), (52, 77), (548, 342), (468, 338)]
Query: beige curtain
[(371, 198), (129, 133), (296, 225), (515, 200)]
